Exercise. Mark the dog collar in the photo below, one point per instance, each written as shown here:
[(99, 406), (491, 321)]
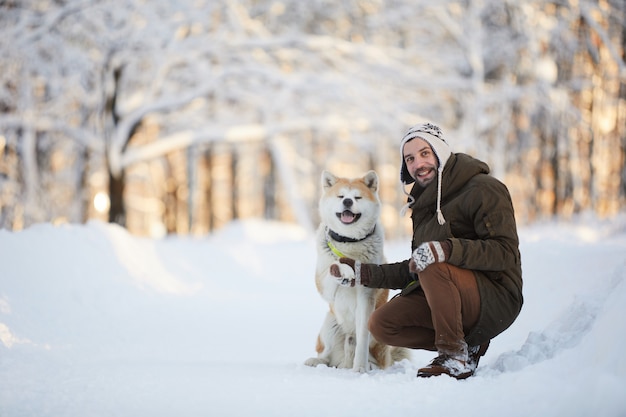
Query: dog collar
[(343, 239), (333, 248)]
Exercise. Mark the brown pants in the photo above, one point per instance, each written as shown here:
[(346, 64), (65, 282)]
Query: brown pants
[(434, 318)]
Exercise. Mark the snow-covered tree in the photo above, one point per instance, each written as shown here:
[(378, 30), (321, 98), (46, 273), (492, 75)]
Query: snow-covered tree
[(146, 102)]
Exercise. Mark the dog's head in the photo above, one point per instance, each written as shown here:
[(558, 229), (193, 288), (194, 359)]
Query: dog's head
[(350, 206)]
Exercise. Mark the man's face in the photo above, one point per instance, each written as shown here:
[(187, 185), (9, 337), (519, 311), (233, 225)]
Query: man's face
[(420, 160)]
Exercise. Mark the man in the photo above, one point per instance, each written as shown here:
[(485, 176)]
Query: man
[(462, 285)]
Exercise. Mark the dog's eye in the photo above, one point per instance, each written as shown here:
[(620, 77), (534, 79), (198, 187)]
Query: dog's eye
[(340, 196), (358, 198)]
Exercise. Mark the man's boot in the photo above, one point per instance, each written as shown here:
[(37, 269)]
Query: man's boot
[(475, 353), (448, 365)]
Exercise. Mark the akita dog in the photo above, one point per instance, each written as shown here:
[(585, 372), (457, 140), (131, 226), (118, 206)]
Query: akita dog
[(350, 227)]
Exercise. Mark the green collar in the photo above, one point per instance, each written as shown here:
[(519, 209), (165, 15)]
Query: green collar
[(330, 235), (333, 248)]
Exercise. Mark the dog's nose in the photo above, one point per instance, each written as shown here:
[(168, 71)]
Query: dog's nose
[(347, 202)]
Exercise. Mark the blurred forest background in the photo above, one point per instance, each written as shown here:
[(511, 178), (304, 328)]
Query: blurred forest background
[(178, 116)]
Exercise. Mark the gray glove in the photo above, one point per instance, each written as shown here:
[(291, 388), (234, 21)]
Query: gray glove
[(428, 253)]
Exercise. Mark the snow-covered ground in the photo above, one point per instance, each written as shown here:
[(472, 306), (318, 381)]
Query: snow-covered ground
[(96, 322)]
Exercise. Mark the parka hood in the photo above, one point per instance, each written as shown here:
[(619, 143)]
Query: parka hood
[(459, 169)]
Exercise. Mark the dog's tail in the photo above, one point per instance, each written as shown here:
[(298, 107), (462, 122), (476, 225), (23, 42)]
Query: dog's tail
[(399, 353)]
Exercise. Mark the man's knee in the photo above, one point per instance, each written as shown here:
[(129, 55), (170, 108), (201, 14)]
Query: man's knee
[(372, 323), (376, 326), (437, 269)]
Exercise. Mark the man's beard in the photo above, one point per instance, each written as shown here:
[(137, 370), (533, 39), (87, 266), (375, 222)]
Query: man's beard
[(423, 182)]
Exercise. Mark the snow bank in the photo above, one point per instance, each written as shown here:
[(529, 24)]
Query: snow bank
[(95, 322)]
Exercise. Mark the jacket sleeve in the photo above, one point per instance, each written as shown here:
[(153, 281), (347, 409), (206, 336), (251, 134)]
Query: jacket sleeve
[(496, 246), (392, 276)]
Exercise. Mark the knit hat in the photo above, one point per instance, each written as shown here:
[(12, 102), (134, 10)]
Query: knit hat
[(434, 137)]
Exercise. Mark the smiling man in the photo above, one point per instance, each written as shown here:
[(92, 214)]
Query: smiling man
[(462, 284), (420, 161)]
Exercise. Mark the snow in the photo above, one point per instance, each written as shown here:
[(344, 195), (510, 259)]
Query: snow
[(96, 322)]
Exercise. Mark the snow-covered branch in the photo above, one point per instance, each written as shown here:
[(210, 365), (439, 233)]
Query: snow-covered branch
[(587, 15), (80, 135), (234, 134)]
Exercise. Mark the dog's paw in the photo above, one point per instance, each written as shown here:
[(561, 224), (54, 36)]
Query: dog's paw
[(344, 274), (362, 367), (369, 367), (315, 362), (339, 270)]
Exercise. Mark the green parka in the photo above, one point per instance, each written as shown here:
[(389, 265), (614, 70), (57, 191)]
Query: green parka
[(480, 224)]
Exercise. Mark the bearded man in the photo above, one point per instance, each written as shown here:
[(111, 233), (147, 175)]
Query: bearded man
[(462, 285)]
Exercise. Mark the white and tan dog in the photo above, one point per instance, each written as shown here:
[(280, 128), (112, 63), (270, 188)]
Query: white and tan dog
[(350, 227)]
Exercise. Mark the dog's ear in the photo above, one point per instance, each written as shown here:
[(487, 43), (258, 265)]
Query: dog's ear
[(328, 179), (371, 180)]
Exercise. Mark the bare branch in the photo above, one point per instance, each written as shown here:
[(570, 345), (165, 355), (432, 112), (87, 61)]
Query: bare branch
[(586, 14)]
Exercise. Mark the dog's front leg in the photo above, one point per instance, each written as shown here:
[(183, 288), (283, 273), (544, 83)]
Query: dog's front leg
[(364, 308)]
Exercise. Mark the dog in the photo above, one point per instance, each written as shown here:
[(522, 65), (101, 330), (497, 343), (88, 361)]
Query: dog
[(350, 227)]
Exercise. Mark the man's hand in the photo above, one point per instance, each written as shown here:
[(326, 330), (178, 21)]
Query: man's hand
[(350, 272), (428, 253)]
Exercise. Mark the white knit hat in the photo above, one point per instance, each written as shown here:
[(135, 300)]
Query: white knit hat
[(434, 137)]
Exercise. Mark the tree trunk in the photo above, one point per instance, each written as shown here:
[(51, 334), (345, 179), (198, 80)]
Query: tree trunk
[(117, 212), (270, 188)]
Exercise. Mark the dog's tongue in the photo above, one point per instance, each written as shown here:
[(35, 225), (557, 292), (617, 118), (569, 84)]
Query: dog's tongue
[(347, 217)]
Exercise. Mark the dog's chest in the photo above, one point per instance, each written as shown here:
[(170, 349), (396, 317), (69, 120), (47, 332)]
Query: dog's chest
[(348, 303), (368, 251)]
